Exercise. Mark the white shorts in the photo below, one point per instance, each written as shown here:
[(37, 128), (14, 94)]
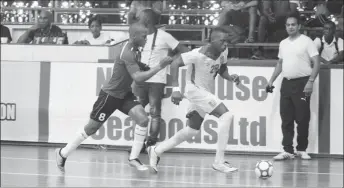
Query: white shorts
[(201, 100)]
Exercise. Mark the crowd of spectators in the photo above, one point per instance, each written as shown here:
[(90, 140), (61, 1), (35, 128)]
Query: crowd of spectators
[(257, 21)]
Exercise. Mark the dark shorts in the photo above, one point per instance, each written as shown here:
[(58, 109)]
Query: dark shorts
[(107, 104)]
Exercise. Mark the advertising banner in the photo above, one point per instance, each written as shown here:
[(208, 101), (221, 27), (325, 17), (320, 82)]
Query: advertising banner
[(336, 112), (256, 127), (20, 82)]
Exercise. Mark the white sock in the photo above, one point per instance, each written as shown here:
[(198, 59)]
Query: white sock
[(73, 144), (223, 135), (139, 136), (175, 140)]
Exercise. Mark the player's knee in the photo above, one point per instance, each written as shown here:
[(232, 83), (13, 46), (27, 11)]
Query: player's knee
[(92, 127), (195, 120), (192, 132), (227, 117), (143, 120), (155, 112)]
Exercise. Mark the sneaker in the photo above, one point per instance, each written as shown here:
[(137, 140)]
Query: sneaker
[(283, 156), (224, 167), (303, 155), (60, 161), (153, 158), (137, 164)]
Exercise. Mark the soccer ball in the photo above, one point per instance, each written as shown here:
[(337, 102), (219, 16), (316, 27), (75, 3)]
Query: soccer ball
[(264, 169)]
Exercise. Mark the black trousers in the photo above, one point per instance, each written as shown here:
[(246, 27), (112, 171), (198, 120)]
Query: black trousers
[(294, 107)]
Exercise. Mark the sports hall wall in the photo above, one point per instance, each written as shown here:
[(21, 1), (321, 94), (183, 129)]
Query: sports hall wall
[(46, 97)]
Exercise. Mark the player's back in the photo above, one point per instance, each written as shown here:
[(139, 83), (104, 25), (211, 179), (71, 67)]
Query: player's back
[(120, 82), (202, 69)]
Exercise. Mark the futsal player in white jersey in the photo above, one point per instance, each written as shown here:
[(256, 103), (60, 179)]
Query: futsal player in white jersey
[(204, 64)]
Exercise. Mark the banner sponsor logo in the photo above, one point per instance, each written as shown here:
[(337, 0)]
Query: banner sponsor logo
[(8, 111)]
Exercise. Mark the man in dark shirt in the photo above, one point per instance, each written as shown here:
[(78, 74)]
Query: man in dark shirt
[(117, 95), (44, 32), (5, 33)]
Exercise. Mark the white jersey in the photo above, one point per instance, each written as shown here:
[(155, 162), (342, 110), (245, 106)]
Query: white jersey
[(202, 69), (152, 54)]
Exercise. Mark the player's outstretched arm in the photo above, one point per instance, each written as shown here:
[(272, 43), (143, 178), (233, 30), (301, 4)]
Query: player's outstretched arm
[(224, 74), (178, 62), (176, 96), (141, 76)]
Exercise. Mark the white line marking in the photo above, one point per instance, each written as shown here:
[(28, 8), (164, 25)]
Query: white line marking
[(165, 166), (130, 179)]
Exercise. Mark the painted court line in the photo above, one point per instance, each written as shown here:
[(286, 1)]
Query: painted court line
[(131, 179), (165, 166)]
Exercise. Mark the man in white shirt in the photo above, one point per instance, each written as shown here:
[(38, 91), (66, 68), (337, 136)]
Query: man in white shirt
[(296, 55), (151, 92), (137, 6), (203, 64), (330, 47), (96, 37)]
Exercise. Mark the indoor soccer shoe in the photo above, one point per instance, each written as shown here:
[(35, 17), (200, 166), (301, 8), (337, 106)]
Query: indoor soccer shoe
[(153, 158), (224, 167), (284, 156), (60, 161), (303, 155), (137, 164)]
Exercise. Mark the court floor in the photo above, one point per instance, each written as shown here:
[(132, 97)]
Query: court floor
[(23, 166)]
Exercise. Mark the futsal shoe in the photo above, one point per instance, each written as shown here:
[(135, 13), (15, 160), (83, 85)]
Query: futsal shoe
[(153, 158), (283, 156), (303, 155), (60, 161), (137, 164), (224, 167)]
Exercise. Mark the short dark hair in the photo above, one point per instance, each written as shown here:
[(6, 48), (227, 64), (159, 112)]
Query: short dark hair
[(333, 25), (94, 19), (150, 16), (295, 15)]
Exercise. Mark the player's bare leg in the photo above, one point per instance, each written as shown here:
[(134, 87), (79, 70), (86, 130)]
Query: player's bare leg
[(62, 153), (225, 120), (139, 115), (192, 129)]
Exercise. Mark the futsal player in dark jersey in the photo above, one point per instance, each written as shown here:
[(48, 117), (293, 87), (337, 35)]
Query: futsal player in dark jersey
[(117, 95)]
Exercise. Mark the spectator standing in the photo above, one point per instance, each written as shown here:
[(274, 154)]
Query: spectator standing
[(296, 55)]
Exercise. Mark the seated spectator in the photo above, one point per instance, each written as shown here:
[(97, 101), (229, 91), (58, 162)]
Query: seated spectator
[(330, 47), (137, 6), (5, 34), (272, 22), (43, 32), (96, 37), (240, 13)]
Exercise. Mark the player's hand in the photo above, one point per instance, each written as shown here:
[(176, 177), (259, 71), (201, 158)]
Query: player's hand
[(235, 79), (308, 89), (166, 61), (176, 97), (269, 88), (271, 18)]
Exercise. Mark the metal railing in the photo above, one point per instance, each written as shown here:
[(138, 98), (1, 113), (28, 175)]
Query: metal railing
[(110, 11)]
